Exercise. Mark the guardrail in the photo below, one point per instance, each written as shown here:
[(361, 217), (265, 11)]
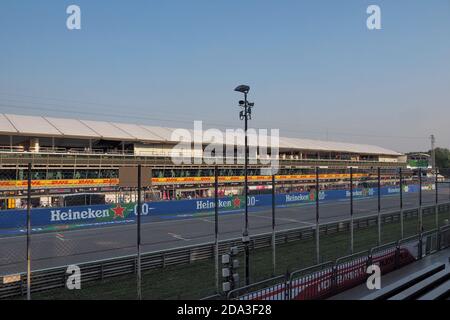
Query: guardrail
[(52, 278), (330, 278)]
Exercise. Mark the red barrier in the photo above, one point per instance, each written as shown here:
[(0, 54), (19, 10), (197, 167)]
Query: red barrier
[(332, 280), (350, 274), (316, 285)]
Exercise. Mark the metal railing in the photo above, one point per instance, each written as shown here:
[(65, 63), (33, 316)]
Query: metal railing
[(330, 278)]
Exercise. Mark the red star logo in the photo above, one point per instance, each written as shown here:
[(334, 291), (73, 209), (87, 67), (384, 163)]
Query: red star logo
[(237, 202), (118, 211)]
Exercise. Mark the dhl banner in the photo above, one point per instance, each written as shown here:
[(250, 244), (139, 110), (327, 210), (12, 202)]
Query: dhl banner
[(20, 184), (254, 178), (73, 183)]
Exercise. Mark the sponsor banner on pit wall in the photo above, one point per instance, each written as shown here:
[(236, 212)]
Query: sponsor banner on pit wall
[(80, 216)]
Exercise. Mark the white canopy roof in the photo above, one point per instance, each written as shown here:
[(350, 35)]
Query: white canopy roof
[(11, 124)]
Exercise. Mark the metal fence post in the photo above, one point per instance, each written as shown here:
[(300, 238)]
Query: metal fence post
[(369, 258), (334, 278), (317, 218), (419, 251), (401, 204), (420, 201), (287, 295), (139, 275), (379, 205), (29, 233), (274, 261), (216, 226), (351, 209), (437, 198), (439, 236), (397, 254)]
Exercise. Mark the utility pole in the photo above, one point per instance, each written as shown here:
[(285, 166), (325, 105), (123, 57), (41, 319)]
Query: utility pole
[(29, 233), (433, 153), (379, 204), (401, 201), (139, 209), (351, 210), (317, 217), (274, 260)]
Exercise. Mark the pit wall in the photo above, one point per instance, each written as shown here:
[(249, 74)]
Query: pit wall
[(48, 219)]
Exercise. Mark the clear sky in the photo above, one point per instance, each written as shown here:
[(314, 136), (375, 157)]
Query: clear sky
[(314, 68)]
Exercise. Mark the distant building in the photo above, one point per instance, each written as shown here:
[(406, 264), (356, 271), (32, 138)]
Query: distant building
[(69, 154)]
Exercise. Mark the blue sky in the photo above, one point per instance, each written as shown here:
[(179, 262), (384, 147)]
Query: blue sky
[(315, 70)]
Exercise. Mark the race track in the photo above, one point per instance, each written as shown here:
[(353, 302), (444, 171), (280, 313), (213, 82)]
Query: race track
[(77, 246)]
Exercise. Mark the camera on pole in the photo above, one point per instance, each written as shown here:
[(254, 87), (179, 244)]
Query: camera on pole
[(229, 274), (245, 237)]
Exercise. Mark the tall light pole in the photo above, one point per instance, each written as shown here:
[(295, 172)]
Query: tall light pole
[(433, 152), (245, 114)]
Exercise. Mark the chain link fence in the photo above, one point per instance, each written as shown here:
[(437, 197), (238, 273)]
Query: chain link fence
[(295, 221)]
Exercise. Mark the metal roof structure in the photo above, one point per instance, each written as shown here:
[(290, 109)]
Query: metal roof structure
[(38, 126)]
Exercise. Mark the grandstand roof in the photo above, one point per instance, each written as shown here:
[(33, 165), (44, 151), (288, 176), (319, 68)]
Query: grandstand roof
[(39, 126)]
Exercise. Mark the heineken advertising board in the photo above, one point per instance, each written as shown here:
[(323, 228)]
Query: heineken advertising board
[(44, 219)]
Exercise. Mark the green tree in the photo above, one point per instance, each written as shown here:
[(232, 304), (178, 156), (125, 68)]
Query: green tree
[(442, 157)]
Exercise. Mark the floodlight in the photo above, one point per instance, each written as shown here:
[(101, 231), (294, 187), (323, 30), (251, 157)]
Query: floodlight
[(242, 88)]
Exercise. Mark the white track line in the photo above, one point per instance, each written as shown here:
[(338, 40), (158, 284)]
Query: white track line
[(177, 236), (282, 219)]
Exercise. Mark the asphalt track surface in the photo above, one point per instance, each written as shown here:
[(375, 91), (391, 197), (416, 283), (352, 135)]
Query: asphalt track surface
[(84, 245)]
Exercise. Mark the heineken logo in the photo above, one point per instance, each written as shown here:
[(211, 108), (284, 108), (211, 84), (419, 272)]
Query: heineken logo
[(234, 203), (364, 192), (393, 190), (70, 215), (298, 197), (118, 211), (237, 202), (304, 197)]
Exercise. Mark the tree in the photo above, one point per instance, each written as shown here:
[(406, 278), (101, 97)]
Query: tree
[(442, 157)]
